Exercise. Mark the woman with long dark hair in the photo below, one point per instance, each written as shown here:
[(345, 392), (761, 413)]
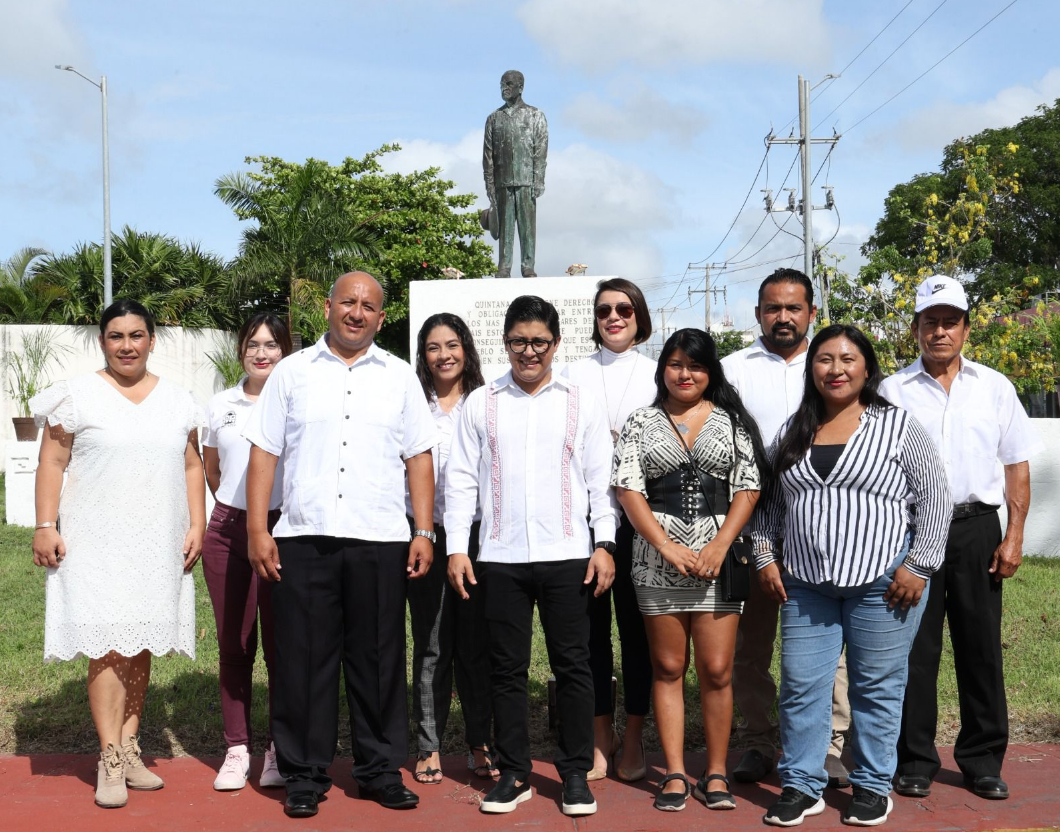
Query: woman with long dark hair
[(448, 634), (241, 600), (623, 379), (688, 472), (862, 507)]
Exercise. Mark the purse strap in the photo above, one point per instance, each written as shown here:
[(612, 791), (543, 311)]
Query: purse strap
[(692, 461)]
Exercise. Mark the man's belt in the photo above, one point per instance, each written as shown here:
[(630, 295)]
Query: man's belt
[(966, 510)]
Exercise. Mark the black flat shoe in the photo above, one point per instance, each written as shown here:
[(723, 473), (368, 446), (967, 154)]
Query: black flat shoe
[(672, 801), (912, 785), (991, 788), (716, 799), (394, 796), (301, 804)]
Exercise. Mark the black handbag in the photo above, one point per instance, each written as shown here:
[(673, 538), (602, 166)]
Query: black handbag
[(734, 577)]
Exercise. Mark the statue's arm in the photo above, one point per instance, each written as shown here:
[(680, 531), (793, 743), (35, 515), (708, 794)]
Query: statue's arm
[(540, 153), (487, 160)]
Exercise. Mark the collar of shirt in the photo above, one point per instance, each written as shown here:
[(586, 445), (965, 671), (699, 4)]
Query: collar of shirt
[(507, 380), (235, 395), (321, 350), (917, 369), (759, 348)]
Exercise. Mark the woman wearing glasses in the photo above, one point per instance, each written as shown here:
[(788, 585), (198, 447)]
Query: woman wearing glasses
[(623, 379), (239, 597)]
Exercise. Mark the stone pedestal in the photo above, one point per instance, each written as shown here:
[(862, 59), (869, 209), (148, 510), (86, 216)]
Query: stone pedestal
[(482, 304), (20, 465)]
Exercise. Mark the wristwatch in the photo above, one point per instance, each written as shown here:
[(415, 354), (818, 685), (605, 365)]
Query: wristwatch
[(608, 546), (430, 535)]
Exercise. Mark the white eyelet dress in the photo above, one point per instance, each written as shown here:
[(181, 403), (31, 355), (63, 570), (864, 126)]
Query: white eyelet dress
[(123, 515)]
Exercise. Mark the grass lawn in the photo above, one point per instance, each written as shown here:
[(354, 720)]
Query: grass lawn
[(44, 708)]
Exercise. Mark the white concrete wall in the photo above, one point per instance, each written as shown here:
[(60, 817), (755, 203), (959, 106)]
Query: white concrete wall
[(1041, 535)]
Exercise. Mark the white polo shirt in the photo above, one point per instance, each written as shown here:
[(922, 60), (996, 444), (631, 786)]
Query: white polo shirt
[(978, 428), (770, 387), (227, 416), (539, 465), (343, 433)]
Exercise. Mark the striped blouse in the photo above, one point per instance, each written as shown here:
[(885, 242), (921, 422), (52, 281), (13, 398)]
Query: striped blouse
[(848, 527)]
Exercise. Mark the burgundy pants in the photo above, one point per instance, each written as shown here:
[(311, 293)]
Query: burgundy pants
[(238, 596)]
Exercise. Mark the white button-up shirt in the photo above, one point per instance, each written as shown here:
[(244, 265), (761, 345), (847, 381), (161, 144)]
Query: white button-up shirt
[(978, 428), (343, 433), (770, 387), (227, 416), (539, 464), (446, 423)]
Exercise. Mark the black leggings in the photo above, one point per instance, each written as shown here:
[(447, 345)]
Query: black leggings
[(636, 661)]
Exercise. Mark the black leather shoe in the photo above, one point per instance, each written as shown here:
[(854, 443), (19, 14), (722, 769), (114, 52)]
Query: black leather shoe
[(992, 788), (912, 785), (394, 796), (301, 804), (753, 766)]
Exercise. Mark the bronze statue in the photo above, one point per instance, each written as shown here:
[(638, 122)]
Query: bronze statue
[(514, 148)]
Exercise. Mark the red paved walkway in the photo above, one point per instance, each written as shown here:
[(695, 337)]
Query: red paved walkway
[(55, 793)]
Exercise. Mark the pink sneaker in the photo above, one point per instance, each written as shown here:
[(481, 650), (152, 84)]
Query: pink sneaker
[(234, 770), (270, 774)]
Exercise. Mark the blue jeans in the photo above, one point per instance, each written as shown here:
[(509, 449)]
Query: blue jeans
[(814, 623)]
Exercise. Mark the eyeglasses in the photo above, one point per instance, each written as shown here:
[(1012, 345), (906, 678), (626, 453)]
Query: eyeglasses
[(271, 347), (539, 345), (624, 310)]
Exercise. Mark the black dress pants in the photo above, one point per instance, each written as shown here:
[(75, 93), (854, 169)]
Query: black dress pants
[(339, 601), (563, 605), (968, 596), (632, 637)]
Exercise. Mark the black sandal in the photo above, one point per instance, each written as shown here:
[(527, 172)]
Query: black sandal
[(714, 800), (672, 801), (425, 777), (485, 771)]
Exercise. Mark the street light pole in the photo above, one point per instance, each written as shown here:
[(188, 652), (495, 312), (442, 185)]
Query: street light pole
[(108, 283)]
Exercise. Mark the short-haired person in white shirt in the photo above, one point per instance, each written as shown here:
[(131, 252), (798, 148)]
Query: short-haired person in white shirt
[(239, 597), (349, 421), (986, 441), (535, 450), (770, 377), (621, 377)]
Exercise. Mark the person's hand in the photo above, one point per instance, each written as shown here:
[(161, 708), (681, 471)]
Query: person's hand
[(539, 190), (601, 567), (680, 557), (1006, 559), (421, 554), (460, 570), (193, 546), (709, 560), (772, 584), (263, 555), (48, 548), (492, 197), (905, 589)]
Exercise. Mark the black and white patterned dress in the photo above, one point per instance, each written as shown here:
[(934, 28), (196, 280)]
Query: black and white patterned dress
[(647, 449)]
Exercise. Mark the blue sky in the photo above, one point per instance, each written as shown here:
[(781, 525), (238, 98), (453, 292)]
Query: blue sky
[(657, 110)]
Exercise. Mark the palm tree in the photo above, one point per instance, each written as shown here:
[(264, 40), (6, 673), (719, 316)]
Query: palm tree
[(25, 298)]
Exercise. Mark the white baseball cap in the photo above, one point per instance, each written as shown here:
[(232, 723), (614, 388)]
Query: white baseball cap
[(939, 290)]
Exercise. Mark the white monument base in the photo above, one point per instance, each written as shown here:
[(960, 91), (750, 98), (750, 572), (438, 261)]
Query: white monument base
[(20, 465), (482, 304)]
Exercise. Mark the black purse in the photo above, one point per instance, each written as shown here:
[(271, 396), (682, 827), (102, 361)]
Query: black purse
[(734, 578)]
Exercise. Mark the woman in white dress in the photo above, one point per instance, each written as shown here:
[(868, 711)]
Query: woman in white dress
[(623, 379), (240, 599), (132, 518)]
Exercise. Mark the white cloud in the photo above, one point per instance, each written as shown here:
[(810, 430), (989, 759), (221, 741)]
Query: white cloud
[(637, 113), (596, 209), (597, 35), (943, 121), (36, 35)]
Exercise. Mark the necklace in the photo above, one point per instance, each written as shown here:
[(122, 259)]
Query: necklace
[(682, 427), (618, 411)]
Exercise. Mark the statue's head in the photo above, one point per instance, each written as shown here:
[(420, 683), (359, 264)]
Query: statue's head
[(511, 86)]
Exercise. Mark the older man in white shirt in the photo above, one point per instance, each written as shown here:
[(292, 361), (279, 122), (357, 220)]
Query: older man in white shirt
[(986, 441), (770, 377), (536, 454), (349, 421)]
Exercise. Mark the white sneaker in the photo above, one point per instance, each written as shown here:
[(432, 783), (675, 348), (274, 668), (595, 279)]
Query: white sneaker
[(234, 770), (270, 774)]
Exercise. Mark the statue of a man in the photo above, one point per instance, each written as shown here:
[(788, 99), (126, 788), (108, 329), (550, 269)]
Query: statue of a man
[(513, 164)]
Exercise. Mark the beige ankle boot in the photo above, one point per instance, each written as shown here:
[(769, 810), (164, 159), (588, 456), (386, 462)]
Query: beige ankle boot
[(110, 779), (136, 774)]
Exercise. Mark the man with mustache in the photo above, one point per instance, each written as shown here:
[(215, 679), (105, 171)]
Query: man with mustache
[(769, 376)]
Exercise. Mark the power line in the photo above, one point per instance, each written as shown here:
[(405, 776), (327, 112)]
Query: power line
[(742, 206), (881, 63), (939, 61)]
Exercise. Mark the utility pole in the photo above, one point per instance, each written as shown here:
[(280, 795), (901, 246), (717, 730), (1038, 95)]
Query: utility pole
[(662, 310), (805, 141)]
